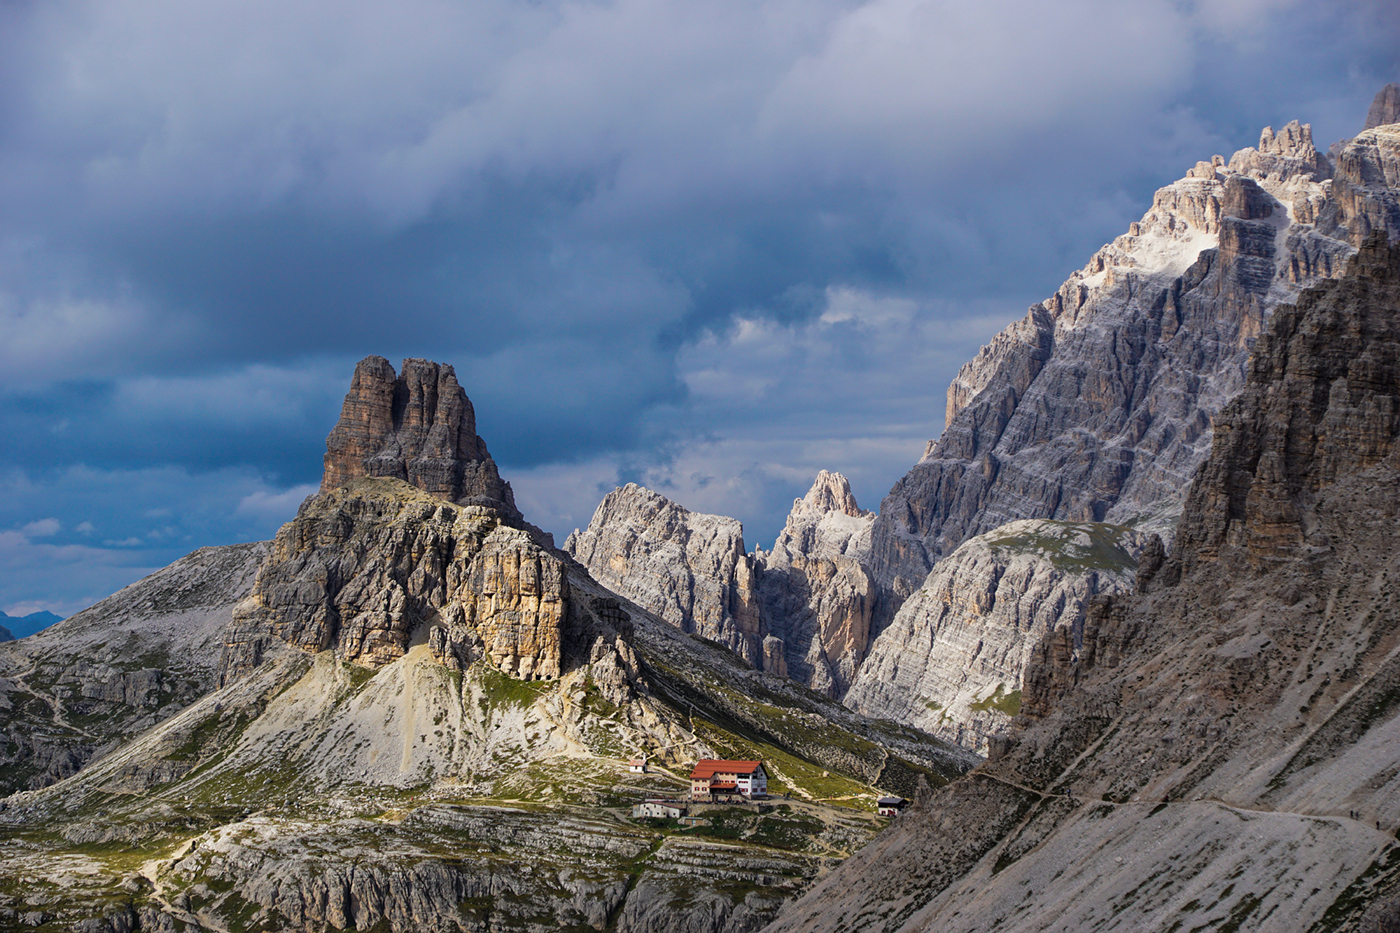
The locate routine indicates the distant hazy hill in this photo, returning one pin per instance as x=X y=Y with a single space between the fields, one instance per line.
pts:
x=12 y=627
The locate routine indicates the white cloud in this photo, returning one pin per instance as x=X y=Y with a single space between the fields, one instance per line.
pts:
x=163 y=107
x=271 y=505
x=860 y=389
x=44 y=528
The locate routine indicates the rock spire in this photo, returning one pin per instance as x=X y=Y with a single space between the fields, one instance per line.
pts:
x=417 y=426
x=1385 y=109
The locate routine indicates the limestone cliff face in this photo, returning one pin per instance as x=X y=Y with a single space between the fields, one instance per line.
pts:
x=1320 y=404
x=815 y=591
x=1098 y=405
x=953 y=660
x=365 y=568
x=417 y=426
x=691 y=569
x=414 y=538
x=802 y=610
x=1222 y=751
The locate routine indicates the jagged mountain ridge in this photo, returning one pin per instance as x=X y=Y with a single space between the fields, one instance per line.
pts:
x=1221 y=751
x=417 y=681
x=801 y=610
x=688 y=568
x=1095 y=407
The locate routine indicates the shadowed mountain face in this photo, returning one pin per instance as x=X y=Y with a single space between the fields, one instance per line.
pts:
x=1220 y=749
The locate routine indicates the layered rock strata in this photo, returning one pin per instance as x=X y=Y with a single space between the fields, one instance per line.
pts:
x=413 y=538
x=801 y=610
x=417 y=426
x=814 y=589
x=689 y=568
x=953 y=660
x=1222 y=752
x=366 y=568
x=1097 y=406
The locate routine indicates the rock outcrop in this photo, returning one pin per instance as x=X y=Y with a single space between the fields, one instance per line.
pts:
x=953 y=660
x=367 y=567
x=1320 y=404
x=413 y=536
x=417 y=426
x=1223 y=751
x=1385 y=109
x=689 y=568
x=801 y=610
x=1098 y=405
x=814 y=589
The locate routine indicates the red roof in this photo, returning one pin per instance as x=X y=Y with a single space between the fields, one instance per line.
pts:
x=723 y=785
x=709 y=767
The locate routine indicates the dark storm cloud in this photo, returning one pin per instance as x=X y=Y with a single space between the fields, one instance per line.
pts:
x=713 y=248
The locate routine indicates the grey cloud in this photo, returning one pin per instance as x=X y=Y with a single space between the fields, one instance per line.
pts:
x=208 y=212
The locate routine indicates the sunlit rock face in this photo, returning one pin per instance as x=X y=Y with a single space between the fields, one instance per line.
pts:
x=365 y=567
x=689 y=568
x=801 y=610
x=953 y=660
x=815 y=591
x=413 y=538
x=1098 y=405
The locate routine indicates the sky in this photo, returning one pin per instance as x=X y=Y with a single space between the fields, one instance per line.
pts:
x=710 y=248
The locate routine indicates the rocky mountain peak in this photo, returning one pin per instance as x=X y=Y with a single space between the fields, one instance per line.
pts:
x=1098 y=405
x=830 y=492
x=418 y=426
x=1385 y=109
x=689 y=568
x=1283 y=155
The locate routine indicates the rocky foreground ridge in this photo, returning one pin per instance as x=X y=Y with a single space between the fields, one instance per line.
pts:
x=1221 y=750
